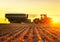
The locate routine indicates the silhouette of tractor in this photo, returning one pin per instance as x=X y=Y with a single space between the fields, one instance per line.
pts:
x=44 y=19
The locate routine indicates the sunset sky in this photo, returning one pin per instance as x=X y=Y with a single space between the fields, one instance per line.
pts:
x=49 y=7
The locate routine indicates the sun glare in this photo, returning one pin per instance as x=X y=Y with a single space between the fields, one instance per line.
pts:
x=55 y=20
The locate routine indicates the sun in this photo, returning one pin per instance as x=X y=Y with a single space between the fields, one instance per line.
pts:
x=55 y=20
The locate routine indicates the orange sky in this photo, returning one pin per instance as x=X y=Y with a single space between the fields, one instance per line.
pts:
x=49 y=7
